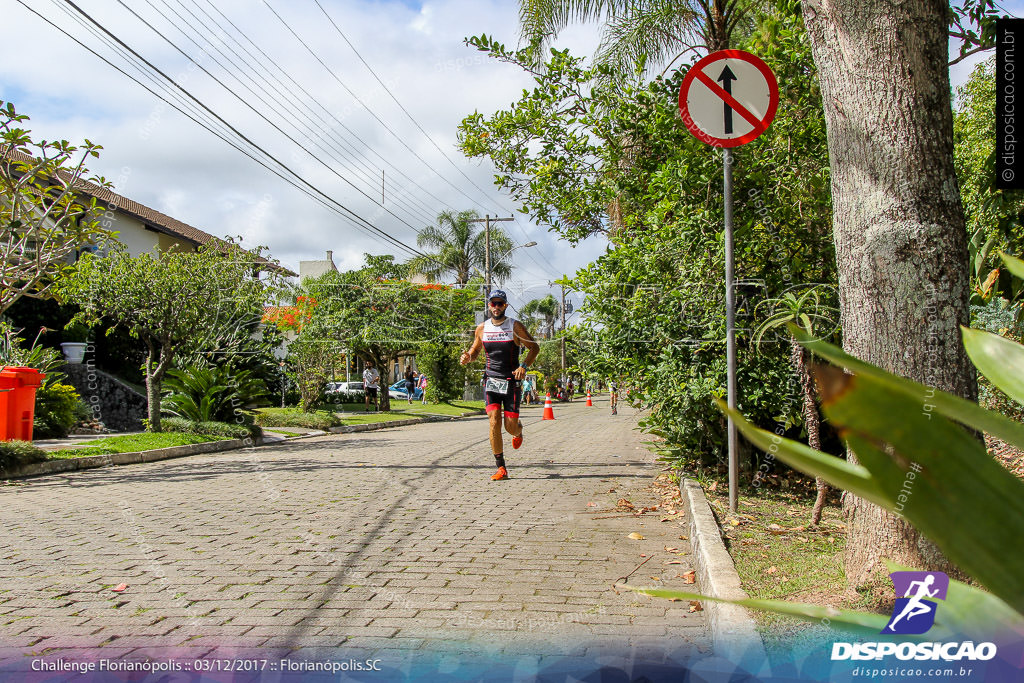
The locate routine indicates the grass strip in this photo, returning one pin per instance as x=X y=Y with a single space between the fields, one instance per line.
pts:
x=130 y=444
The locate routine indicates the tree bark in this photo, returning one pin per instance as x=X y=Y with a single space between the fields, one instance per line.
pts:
x=812 y=421
x=901 y=243
x=157 y=363
x=384 y=363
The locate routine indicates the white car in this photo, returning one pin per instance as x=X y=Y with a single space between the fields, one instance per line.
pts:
x=350 y=389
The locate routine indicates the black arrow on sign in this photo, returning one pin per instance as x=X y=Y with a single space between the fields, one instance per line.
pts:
x=727 y=78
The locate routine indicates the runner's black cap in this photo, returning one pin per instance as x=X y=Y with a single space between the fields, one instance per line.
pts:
x=498 y=294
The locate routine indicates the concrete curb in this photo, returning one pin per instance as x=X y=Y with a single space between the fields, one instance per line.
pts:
x=733 y=631
x=94 y=461
x=373 y=426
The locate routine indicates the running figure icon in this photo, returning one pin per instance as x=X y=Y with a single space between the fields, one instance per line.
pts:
x=916 y=606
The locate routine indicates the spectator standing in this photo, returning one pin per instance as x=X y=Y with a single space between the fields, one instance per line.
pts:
x=410 y=382
x=423 y=386
x=371 y=377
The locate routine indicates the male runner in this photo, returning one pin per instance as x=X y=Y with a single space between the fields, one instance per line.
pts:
x=500 y=338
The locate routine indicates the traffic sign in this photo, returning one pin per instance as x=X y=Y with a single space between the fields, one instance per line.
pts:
x=728 y=98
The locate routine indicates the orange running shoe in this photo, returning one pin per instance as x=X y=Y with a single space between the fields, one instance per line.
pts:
x=502 y=473
x=517 y=441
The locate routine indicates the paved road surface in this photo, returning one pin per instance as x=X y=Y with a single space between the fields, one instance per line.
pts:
x=388 y=542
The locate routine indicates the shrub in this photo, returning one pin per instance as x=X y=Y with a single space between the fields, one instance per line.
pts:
x=16 y=453
x=294 y=417
x=58 y=410
x=211 y=394
x=225 y=429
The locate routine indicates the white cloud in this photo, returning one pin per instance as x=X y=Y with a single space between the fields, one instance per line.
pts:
x=173 y=165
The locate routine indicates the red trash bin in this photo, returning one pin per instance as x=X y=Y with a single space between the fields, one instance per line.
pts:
x=18 y=402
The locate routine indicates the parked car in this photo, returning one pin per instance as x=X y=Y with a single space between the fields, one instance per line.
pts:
x=397 y=391
x=346 y=389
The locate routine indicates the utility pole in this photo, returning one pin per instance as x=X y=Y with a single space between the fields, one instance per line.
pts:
x=563 y=332
x=565 y=310
x=486 y=220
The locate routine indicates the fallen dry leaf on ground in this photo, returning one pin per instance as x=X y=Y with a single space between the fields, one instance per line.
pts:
x=771 y=570
x=674 y=562
x=689 y=577
x=120 y=587
x=695 y=606
x=670 y=549
x=636 y=537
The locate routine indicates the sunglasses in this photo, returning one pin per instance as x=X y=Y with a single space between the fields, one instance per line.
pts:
x=498 y=303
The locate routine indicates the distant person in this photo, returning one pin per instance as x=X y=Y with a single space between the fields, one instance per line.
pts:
x=528 y=390
x=569 y=390
x=371 y=377
x=614 y=389
x=423 y=388
x=410 y=382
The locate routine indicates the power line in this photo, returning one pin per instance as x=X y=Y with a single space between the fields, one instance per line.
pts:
x=355 y=218
x=254 y=110
x=400 y=106
x=357 y=99
x=259 y=72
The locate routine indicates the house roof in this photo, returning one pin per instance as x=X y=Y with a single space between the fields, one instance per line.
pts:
x=151 y=218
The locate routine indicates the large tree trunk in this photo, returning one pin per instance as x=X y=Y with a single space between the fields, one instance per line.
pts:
x=901 y=244
x=384 y=402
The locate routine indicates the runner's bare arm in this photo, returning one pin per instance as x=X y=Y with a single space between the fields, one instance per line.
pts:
x=525 y=340
x=474 y=349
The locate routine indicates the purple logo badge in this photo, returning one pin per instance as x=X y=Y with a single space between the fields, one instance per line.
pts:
x=916 y=592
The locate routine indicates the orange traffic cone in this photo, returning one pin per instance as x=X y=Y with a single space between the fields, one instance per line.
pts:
x=589 y=403
x=549 y=414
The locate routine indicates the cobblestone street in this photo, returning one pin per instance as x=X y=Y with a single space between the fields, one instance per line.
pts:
x=385 y=542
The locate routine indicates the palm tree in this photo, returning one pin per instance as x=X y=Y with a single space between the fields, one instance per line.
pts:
x=636 y=31
x=544 y=311
x=458 y=248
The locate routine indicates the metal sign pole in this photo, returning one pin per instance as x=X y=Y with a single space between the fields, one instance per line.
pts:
x=730 y=330
x=728 y=115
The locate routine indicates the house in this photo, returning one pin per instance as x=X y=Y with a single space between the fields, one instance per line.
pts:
x=317 y=268
x=141 y=228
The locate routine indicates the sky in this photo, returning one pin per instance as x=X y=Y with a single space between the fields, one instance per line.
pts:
x=158 y=157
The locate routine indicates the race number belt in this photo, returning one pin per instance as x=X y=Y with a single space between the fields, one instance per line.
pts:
x=496 y=386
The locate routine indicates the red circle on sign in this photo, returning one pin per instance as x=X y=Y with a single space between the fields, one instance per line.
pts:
x=692 y=74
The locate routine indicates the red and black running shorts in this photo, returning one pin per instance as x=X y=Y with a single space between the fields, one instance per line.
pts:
x=509 y=403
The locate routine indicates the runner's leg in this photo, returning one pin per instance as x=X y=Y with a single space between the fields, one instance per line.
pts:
x=511 y=406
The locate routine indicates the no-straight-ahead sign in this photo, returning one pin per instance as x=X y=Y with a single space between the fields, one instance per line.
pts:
x=728 y=98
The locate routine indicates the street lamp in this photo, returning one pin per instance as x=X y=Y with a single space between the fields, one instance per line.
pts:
x=487 y=275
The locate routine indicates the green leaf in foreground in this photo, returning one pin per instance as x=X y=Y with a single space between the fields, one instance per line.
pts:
x=966 y=610
x=917 y=463
x=999 y=359
x=953 y=407
x=1013 y=264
